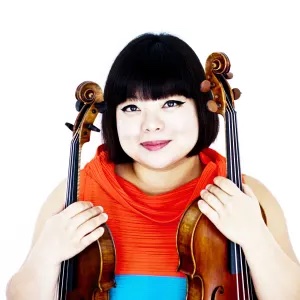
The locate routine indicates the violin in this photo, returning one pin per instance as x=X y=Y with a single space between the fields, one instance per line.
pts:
x=215 y=267
x=90 y=274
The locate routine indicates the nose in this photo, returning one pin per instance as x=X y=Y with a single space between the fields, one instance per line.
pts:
x=152 y=122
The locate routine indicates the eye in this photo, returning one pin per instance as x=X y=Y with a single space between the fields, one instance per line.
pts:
x=130 y=108
x=173 y=103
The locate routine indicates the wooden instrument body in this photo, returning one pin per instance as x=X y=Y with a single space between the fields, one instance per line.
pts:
x=94 y=270
x=204 y=259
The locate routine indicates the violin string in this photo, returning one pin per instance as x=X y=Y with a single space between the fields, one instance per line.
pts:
x=251 y=294
x=72 y=197
x=235 y=167
x=235 y=170
x=237 y=179
x=70 y=188
x=231 y=176
x=248 y=277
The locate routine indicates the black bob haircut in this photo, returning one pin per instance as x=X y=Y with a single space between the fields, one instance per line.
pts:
x=156 y=66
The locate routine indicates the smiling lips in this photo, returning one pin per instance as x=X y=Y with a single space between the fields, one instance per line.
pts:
x=155 y=145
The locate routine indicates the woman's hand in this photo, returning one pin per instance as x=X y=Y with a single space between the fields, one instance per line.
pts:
x=235 y=213
x=70 y=231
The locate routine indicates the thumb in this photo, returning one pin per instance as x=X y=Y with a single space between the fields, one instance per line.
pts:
x=248 y=191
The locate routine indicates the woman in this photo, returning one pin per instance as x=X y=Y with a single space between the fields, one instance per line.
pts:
x=154 y=161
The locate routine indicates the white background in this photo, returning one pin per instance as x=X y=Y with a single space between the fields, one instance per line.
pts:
x=49 y=47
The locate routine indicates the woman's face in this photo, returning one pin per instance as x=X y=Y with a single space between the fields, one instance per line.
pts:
x=159 y=133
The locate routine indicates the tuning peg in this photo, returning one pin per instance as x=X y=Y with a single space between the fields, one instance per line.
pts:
x=93 y=128
x=79 y=104
x=229 y=75
x=101 y=106
x=236 y=93
x=205 y=86
x=212 y=106
x=70 y=126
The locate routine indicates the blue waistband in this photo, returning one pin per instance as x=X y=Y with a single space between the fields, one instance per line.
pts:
x=144 y=287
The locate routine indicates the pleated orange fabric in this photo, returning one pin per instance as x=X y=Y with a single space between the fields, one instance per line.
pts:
x=143 y=226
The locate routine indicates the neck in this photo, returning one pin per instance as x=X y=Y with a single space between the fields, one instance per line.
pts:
x=155 y=182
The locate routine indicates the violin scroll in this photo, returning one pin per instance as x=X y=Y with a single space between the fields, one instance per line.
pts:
x=88 y=92
x=217 y=69
x=89 y=103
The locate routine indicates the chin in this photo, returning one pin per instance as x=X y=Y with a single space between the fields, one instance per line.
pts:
x=159 y=164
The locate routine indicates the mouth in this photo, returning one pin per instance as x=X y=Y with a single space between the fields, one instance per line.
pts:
x=155 y=145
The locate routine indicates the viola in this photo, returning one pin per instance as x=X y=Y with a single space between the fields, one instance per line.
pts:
x=90 y=274
x=215 y=267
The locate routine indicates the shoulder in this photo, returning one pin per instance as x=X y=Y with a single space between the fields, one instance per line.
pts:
x=275 y=218
x=52 y=205
x=264 y=196
x=266 y=199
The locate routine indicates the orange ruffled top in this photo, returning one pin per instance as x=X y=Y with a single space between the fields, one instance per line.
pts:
x=143 y=226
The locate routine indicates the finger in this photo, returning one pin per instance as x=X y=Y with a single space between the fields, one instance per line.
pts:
x=92 y=236
x=76 y=208
x=91 y=224
x=226 y=185
x=212 y=201
x=210 y=213
x=85 y=215
x=217 y=192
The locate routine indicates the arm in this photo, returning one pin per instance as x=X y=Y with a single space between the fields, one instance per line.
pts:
x=275 y=268
x=36 y=279
x=59 y=235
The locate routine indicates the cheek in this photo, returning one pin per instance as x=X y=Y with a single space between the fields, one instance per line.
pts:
x=185 y=124
x=127 y=130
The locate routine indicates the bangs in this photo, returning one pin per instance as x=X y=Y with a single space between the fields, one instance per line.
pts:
x=155 y=89
x=151 y=73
